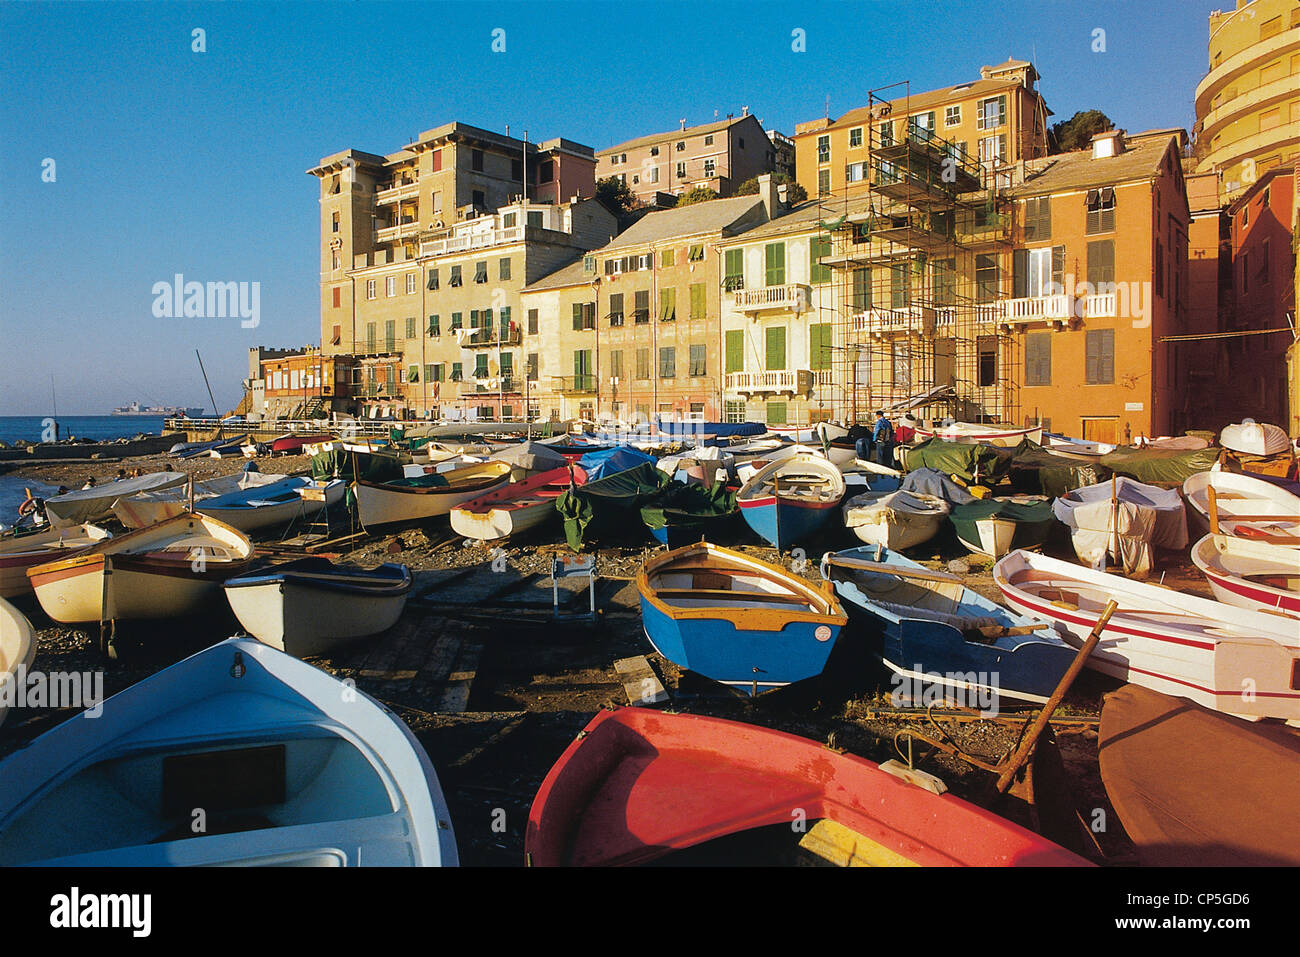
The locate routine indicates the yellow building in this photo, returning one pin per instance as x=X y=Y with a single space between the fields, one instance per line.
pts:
x=1248 y=104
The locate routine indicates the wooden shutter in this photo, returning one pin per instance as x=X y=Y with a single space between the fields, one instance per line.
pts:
x=819 y=336
x=775 y=261
x=1058 y=268
x=776 y=348
x=1038 y=358
x=697 y=300
x=735 y=350
x=1019 y=273
x=1101 y=262
x=577 y=315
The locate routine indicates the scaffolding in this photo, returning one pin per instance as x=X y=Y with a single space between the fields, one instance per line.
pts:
x=917 y=266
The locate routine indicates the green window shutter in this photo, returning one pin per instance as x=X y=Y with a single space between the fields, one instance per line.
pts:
x=455 y=320
x=699 y=360
x=1058 y=268
x=428 y=373
x=1101 y=262
x=473 y=318
x=505 y=318
x=507 y=359
x=668 y=363
x=735 y=350
x=457 y=371
x=505 y=269
x=776 y=348
x=480 y=365
x=667 y=304
x=817 y=248
x=433 y=325
x=410 y=327
x=776 y=413
x=819 y=337
x=577 y=315
x=697 y=300
x=861 y=289
x=734 y=270
x=413 y=374
x=1019 y=273
x=775 y=262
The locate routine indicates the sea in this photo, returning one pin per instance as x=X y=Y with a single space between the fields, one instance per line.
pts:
x=32 y=428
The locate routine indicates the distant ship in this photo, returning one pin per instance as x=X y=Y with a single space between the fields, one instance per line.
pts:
x=156 y=411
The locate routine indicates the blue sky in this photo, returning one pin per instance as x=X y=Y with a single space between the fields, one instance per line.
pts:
x=169 y=161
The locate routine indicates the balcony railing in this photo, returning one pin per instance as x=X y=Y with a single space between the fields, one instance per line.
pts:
x=576 y=384
x=792 y=381
x=478 y=385
x=467 y=241
x=1100 y=305
x=491 y=336
x=1037 y=309
x=397 y=191
x=791 y=295
x=406 y=228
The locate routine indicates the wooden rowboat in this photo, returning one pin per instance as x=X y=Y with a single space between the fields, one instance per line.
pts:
x=21 y=552
x=1247 y=507
x=166 y=570
x=735 y=619
x=1250 y=574
x=1220 y=656
x=791 y=499
x=994 y=526
x=96 y=503
x=515 y=508
x=428 y=496
x=639 y=785
x=1200 y=789
x=277 y=503
x=17 y=651
x=971 y=433
x=288 y=765
x=898 y=519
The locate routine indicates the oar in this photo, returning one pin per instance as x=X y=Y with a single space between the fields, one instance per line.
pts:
x=920 y=573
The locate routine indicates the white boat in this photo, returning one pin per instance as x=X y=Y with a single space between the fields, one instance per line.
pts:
x=428 y=496
x=1237 y=494
x=790 y=499
x=238 y=755
x=747 y=468
x=149 y=508
x=1124 y=520
x=1255 y=438
x=897 y=520
x=314 y=607
x=1249 y=574
x=21 y=552
x=811 y=434
x=529 y=458
x=1220 y=656
x=166 y=570
x=96 y=503
x=515 y=508
x=970 y=433
x=17 y=651
x=276 y=503
x=1068 y=446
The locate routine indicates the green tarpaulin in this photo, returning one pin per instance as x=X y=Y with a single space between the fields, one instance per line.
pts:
x=959 y=458
x=1167 y=467
x=609 y=506
x=1033 y=519
x=690 y=511
x=1040 y=471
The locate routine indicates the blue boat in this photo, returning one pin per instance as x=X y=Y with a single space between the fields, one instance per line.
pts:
x=931 y=630
x=238 y=755
x=789 y=500
x=680 y=514
x=740 y=621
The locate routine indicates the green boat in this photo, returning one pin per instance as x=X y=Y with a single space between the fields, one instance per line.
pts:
x=609 y=507
x=683 y=514
x=995 y=526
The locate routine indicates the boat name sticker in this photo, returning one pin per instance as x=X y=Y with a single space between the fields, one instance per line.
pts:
x=823 y=633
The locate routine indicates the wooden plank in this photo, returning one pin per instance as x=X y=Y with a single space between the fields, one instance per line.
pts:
x=455 y=696
x=641 y=684
x=833 y=842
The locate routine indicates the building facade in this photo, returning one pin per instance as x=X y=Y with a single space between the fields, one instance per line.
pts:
x=1248 y=104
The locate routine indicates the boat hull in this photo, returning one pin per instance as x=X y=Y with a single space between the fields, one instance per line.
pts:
x=784 y=524
x=379 y=504
x=17 y=649
x=302 y=620
x=19 y=554
x=1273 y=584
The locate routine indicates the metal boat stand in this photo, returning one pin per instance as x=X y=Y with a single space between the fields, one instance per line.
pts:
x=1032 y=770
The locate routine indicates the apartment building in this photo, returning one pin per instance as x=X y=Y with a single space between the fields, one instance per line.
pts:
x=632 y=331
x=1248 y=104
x=719 y=155
x=292 y=383
x=998 y=120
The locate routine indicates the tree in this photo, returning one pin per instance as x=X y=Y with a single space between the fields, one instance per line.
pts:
x=696 y=194
x=613 y=192
x=795 y=194
x=1077 y=132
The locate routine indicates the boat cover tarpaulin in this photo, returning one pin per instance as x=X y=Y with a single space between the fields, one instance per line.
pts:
x=933 y=482
x=958 y=458
x=1160 y=466
x=91 y=504
x=370 y=466
x=1032 y=519
x=606 y=462
x=1142 y=516
x=1044 y=472
x=608 y=506
x=532 y=457
x=682 y=505
x=720 y=429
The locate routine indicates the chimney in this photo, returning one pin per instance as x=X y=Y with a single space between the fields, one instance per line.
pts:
x=767 y=193
x=683 y=122
x=1107 y=143
x=744 y=111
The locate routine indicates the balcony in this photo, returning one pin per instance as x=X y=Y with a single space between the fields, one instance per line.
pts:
x=406 y=229
x=489 y=336
x=789 y=382
x=791 y=295
x=575 y=384
x=466 y=241
x=396 y=192
x=1100 y=306
x=1056 y=308
x=906 y=320
x=491 y=385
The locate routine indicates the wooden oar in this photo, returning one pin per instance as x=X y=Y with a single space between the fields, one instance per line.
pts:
x=924 y=574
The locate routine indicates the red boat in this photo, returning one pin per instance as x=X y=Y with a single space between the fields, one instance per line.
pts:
x=292 y=444
x=637 y=785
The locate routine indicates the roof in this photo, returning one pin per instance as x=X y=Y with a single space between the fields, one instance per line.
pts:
x=1078 y=170
x=571 y=275
x=804 y=218
x=922 y=101
x=677 y=134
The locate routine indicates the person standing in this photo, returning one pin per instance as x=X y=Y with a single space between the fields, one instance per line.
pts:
x=882 y=436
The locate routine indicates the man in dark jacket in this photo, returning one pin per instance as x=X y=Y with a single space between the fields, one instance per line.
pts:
x=883 y=438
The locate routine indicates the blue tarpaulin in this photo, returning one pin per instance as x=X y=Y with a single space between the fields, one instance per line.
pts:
x=610 y=461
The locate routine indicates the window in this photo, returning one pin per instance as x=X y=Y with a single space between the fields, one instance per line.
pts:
x=921 y=127
x=855 y=137
x=818 y=247
x=413 y=374
x=481 y=366
x=508 y=220
x=1101 y=265
x=455 y=320
x=503 y=270
x=900 y=285
x=410 y=327
x=733 y=270
x=952 y=115
x=668 y=363
x=641 y=305
x=696 y=253
x=855 y=172
x=1038 y=358
x=775 y=342
x=1036 y=273
x=516 y=170
x=823 y=182
x=370 y=289
x=698 y=360
x=371 y=345
x=991 y=113
x=616 y=309
x=437 y=160
x=668 y=258
x=698 y=302
x=652 y=174
x=944 y=273
x=455 y=276
x=478 y=199
x=708 y=140
x=733 y=411
x=584 y=315
x=667 y=304
x=645 y=261
x=480 y=272
x=681 y=170
x=337 y=335
x=390 y=335
x=710 y=167
x=1100 y=356
x=1101 y=210
x=616 y=364
x=534 y=219
x=435 y=201
x=546 y=172
x=613 y=267
x=457 y=372
x=987 y=361
x=410 y=283
x=335 y=222
x=654 y=151
x=993 y=149
x=681 y=146
x=390 y=285
x=432 y=373
x=338 y=296
x=887 y=134
x=433 y=280
x=735 y=345
x=334 y=260
x=643 y=363
x=1038 y=218
x=507 y=365
x=476 y=160
x=824 y=149
x=902 y=364
x=819 y=346
x=776 y=413
x=986 y=278
x=532 y=322
x=433 y=325
x=861 y=295
x=774 y=259
x=532 y=367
